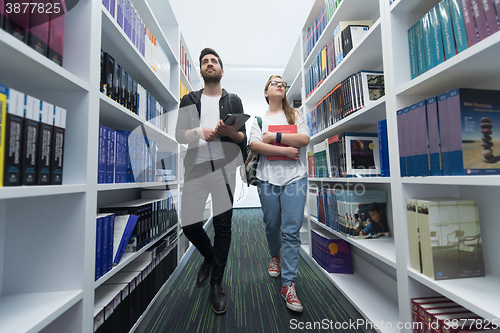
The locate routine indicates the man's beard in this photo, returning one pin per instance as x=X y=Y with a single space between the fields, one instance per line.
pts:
x=212 y=77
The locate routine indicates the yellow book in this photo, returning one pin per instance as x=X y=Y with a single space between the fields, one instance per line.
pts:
x=3 y=120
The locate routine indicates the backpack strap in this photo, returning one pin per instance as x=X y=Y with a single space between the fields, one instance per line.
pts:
x=259 y=121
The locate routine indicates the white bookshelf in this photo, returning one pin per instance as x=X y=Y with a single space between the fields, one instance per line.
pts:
x=385 y=48
x=47 y=275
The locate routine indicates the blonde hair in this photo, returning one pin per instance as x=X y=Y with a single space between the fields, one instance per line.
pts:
x=290 y=113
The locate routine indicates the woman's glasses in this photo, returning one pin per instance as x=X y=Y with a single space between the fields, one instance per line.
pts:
x=278 y=84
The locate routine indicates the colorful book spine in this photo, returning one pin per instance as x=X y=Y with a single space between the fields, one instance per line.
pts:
x=101 y=159
x=412 y=45
x=414 y=141
x=407 y=136
x=491 y=17
x=419 y=39
x=433 y=132
x=457 y=20
x=3 y=122
x=422 y=138
x=479 y=18
x=58 y=140
x=44 y=143
x=384 y=148
x=30 y=140
x=429 y=50
x=470 y=25
x=443 y=11
x=444 y=134
x=436 y=37
x=401 y=144
x=13 y=138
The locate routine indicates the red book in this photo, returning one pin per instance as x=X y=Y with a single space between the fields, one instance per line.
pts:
x=286 y=129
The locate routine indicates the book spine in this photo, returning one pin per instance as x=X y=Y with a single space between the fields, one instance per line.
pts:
x=55 y=50
x=407 y=137
x=38 y=34
x=17 y=24
x=30 y=140
x=110 y=240
x=110 y=156
x=423 y=146
x=401 y=144
x=13 y=137
x=105 y=244
x=44 y=143
x=433 y=130
x=413 y=52
x=3 y=132
x=58 y=140
x=429 y=50
x=101 y=160
x=436 y=36
x=479 y=18
x=444 y=134
x=443 y=11
x=414 y=139
x=419 y=40
x=98 y=248
x=470 y=25
x=497 y=7
x=455 y=115
x=491 y=17
x=457 y=19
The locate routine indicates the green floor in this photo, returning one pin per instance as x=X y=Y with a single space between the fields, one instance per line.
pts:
x=255 y=303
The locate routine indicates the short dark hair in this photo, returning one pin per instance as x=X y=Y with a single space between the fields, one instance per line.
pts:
x=208 y=50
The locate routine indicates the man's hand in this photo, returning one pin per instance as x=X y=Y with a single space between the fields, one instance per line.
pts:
x=207 y=134
x=268 y=137
x=226 y=130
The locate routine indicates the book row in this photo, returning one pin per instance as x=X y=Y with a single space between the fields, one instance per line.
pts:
x=349 y=155
x=355 y=92
x=32 y=136
x=185 y=63
x=128 y=18
x=445 y=238
x=125 y=157
x=42 y=29
x=154 y=217
x=441 y=315
x=450 y=134
x=357 y=213
x=332 y=254
x=121 y=300
x=346 y=36
x=121 y=87
x=315 y=31
x=447 y=29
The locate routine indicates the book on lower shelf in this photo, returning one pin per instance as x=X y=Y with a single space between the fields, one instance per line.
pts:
x=284 y=129
x=14 y=123
x=450 y=238
x=334 y=255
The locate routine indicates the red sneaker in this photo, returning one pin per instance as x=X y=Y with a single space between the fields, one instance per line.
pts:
x=274 y=267
x=290 y=296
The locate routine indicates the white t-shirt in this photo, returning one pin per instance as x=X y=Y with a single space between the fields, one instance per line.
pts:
x=280 y=172
x=210 y=116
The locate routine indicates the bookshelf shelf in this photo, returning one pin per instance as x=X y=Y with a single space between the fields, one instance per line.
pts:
x=479 y=295
x=115 y=42
x=44 y=74
x=31 y=312
x=385 y=48
x=39 y=191
x=382 y=249
x=368 y=55
x=473 y=67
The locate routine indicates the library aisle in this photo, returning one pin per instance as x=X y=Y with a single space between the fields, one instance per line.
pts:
x=255 y=304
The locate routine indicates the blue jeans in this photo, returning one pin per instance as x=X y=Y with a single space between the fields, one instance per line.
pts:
x=283 y=208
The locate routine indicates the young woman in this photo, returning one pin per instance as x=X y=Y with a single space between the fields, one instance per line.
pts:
x=282 y=184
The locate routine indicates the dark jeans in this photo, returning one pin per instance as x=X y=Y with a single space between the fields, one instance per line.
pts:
x=194 y=196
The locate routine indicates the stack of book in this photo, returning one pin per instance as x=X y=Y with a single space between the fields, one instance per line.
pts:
x=357 y=91
x=334 y=255
x=450 y=134
x=32 y=138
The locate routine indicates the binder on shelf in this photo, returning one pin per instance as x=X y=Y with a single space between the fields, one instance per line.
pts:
x=123 y=227
x=58 y=144
x=44 y=144
x=30 y=140
x=14 y=124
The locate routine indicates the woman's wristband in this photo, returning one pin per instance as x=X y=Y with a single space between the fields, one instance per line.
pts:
x=278 y=137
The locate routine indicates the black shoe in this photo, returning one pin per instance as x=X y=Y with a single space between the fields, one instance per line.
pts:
x=218 y=298
x=203 y=273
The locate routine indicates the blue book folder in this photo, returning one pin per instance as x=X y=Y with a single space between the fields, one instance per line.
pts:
x=123 y=228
